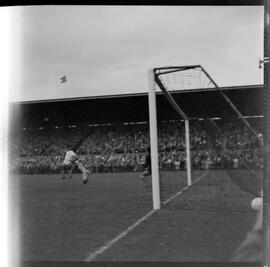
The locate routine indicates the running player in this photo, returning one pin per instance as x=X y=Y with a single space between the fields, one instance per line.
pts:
x=70 y=161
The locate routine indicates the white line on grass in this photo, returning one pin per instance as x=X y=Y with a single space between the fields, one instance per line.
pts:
x=93 y=254
x=110 y=243
x=184 y=189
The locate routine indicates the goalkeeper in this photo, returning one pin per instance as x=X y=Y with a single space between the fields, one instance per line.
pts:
x=147 y=169
x=147 y=165
x=70 y=161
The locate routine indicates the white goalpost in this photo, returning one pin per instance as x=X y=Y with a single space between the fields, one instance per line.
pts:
x=153 y=141
x=169 y=80
x=154 y=137
x=188 y=160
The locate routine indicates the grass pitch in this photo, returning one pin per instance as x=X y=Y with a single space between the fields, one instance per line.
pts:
x=66 y=220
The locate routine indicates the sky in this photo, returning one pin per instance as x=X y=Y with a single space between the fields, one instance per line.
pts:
x=107 y=50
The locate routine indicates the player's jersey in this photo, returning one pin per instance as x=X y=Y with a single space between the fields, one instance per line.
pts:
x=70 y=157
x=147 y=163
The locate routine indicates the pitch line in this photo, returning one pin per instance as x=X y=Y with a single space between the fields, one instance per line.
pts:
x=92 y=255
x=110 y=243
x=183 y=190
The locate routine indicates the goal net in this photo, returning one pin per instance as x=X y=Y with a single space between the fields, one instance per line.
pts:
x=212 y=161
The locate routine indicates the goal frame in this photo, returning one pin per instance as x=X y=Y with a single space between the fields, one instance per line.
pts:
x=153 y=80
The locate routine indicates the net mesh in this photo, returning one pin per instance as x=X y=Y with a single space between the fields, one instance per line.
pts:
x=226 y=152
x=184 y=78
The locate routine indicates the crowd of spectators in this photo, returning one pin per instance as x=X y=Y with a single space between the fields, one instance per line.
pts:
x=238 y=146
x=115 y=148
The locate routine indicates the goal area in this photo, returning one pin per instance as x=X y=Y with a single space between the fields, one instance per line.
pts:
x=212 y=161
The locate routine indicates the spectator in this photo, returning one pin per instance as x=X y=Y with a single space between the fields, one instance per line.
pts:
x=121 y=147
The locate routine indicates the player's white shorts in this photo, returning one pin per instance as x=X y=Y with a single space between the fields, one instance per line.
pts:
x=67 y=163
x=85 y=172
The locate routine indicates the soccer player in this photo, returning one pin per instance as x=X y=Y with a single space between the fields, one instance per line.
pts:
x=251 y=249
x=147 y=169
x=70 y=161
x=147 y=165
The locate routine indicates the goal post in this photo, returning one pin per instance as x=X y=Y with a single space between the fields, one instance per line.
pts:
x=195 y=160
x=153 y=80
x=153 y=141
x=188 y=159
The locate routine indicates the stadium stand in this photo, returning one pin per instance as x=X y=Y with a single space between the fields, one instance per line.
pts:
x=118 y=142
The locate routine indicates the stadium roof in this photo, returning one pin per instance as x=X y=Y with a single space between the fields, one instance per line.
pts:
x=134 y=107
x=132 y=95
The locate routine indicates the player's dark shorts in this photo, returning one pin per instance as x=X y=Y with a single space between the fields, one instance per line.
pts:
x=146 y=172
x=148 y=168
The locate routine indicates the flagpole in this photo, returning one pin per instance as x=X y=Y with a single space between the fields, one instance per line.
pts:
x=66 y=86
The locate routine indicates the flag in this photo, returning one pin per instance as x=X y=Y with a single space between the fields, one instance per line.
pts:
x=260 y=63
x=63 y=79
